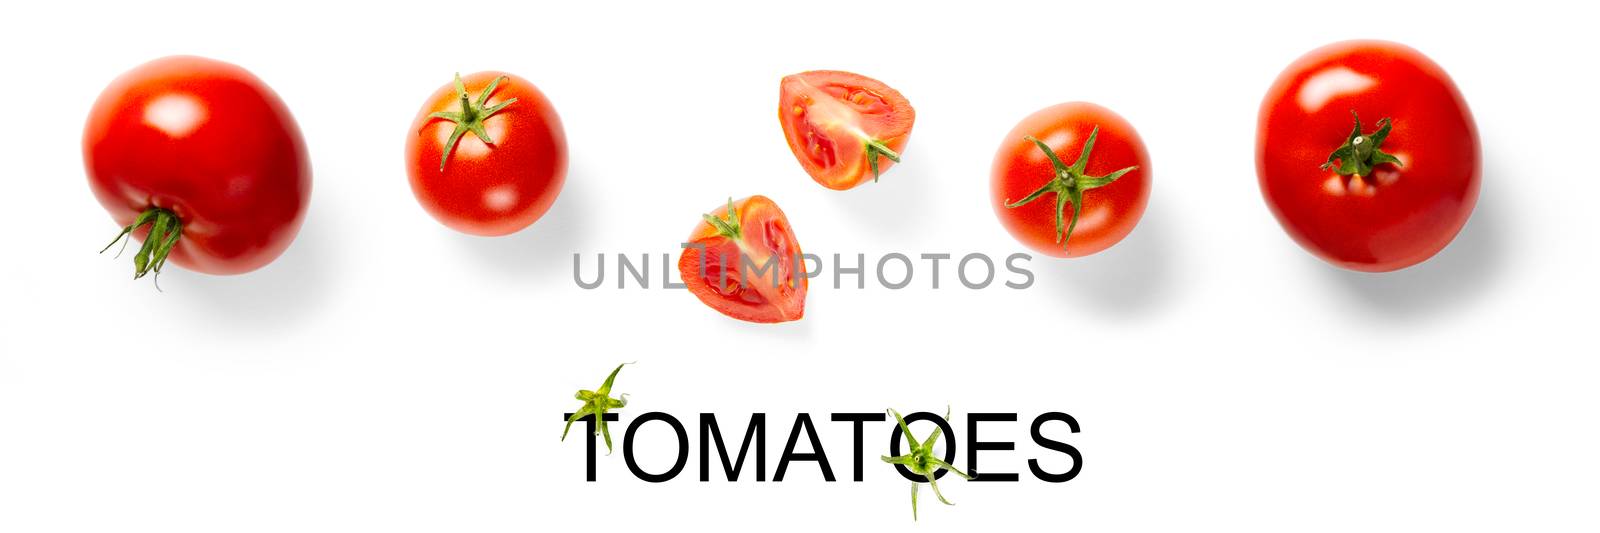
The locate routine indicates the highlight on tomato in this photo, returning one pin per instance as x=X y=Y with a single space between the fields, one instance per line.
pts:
x=843 y=128
x=1077 y=209
x=743 y=260
x=201 y=161
x=1367 y=155
x=486 y=154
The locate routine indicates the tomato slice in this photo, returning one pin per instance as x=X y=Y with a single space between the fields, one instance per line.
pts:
x=839 y=124
x=746 y=264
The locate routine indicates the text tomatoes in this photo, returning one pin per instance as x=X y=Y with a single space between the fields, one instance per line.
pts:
x=486 y=154
x=200 y=160
x=1368 y=155
x=844 y=128
x=1076 y=209
x=743 y=261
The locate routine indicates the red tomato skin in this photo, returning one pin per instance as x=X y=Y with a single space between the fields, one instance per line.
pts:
x=1109 y=213
x=484 y=190
x=1400 y=215
x=210 y=142
x=766 y=232
x=881 y=112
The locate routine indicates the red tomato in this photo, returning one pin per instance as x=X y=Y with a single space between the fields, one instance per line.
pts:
x=486 y=154
x=1376 y=193
x=844 y=128
x=1077 y=209
x=753 y=230
x=200 y=160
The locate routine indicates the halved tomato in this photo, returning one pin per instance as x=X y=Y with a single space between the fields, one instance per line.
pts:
x=843 y=127
x=744 y=261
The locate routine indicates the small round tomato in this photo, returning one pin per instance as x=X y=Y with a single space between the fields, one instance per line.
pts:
x=1072 y=210
x=744 y=261
x=1367 y=155
x=487 y=155
x=201 y=161
x=843 y=128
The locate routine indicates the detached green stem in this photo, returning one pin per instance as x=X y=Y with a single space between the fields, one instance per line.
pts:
x=597 y=402
x=922 y=461
x=165 y=231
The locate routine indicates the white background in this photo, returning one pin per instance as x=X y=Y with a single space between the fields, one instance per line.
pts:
x=387 y=374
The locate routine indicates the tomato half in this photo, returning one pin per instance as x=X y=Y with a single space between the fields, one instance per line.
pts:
x=844 y=128
x=1367 y=155
x=200 y=160
x=1070 y=180
x=746 y=263
x=486 y=155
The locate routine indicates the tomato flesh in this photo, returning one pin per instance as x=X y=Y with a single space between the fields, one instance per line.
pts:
x=829 y=116
x=1397 y=215
x=715 y=268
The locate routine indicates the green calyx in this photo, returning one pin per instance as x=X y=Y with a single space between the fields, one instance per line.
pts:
x=1069 y=184
x=165 y=231
x=597 y=402
x=875 y=150
x=1360 y=153
x=922 y=461
x=470 y=117
x=728 y=227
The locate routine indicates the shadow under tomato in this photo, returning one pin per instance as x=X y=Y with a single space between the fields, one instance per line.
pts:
x=1464 y=270
x=1134 y=276
x=896 y=206
x=540 y=253
x=293 y=288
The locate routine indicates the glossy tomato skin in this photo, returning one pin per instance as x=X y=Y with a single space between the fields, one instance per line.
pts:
x=1396 y=216
x=482 y=189
x=710 y=267
x=827 y=117
x=1108 y=213
x=209 y=142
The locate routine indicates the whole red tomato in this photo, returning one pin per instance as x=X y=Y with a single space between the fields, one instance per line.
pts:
x=486 y=154
x=745 y=262
x=200 y=160
x=1077 y=209
x=1368 y=155
x=843 y=128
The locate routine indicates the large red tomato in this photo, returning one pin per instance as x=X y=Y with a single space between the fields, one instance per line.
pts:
x=1368 y=155
x=746 y=263
x=486 y=154
x=200 y=160
x=843 y=128
x=1072 y=210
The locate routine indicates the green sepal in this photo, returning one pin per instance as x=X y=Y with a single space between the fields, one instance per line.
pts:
x=166 y=229
x=596 y=403
x=471 y=117
x=1068 y=184
x=1361 y=153
x=726 y=227
x=876 y=149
